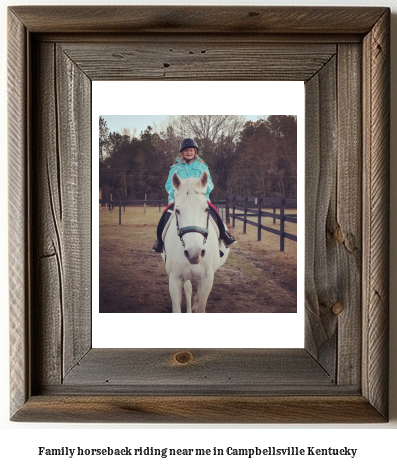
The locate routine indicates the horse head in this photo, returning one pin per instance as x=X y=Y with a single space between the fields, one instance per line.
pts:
x=191 y=212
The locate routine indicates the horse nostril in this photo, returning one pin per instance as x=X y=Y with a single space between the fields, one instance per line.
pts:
x=186 y=254
x=202 y=253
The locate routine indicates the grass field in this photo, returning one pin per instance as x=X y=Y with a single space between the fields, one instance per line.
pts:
x=259 y=277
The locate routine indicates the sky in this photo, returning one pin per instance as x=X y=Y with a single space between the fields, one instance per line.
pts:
x=116 y=123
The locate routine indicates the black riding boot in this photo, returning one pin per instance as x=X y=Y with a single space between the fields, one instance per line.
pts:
x=159 y=244
x=228 y=239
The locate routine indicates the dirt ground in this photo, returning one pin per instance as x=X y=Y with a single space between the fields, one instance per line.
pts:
x=257 y=277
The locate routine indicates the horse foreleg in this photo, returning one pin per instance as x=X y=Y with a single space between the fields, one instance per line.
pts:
x=194 y=308
x=175 y=285
x=188 y=293
x=203 y=291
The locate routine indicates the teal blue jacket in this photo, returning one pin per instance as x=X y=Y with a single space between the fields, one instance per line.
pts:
x=184 y=170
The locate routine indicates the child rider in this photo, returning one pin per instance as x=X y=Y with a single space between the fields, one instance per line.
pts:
x=190 y=165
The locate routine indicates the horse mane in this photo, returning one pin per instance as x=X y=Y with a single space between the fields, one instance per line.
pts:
x=189 y=189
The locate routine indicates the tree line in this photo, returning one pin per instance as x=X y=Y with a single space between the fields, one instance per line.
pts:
x=245 y=158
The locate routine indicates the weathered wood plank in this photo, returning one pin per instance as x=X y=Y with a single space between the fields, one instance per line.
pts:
x=347 y=226
x=199 y=409
x=231 y=368
x=320 y=262
x=199 y=19
x=63 y=174
x=376 y=93
x=199 y=61
x=196 y=40
x=73 y=107
x=47 y=327
x=19 y=227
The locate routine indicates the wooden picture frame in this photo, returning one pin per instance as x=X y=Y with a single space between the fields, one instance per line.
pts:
x=342 y=54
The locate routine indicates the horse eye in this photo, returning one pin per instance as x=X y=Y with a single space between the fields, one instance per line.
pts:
x=177 y=211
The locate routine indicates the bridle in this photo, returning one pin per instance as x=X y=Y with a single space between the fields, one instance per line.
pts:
x=184 y=230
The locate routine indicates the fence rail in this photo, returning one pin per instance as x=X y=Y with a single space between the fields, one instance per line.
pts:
x=251 y=208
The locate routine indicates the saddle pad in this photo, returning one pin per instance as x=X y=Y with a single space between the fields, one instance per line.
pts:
x=167 y=225
x=214 y=223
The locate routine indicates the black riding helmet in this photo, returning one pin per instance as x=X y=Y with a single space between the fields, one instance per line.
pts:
x=186 y=143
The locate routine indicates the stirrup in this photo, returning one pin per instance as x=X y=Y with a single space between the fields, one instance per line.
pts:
x=229 y=239
x=158 y=246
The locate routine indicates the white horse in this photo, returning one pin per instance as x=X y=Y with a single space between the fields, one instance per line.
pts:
x=192 y=247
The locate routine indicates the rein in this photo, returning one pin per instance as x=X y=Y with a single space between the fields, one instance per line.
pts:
x=184 y=230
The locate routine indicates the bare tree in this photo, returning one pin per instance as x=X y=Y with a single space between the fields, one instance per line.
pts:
x=210 y=128
x=103 y=138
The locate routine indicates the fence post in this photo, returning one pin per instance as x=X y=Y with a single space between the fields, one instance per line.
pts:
x=227 y=208
x=144 y=206
x=119 y=213
x=245 y=215
x=282 y=233
x=274 y=209
x=259 y=218
x=234 y=211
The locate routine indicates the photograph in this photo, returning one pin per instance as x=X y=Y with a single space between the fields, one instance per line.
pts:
x=226 y=246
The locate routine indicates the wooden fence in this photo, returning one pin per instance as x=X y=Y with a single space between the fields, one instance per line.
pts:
x=240 y=208
x=123 y=203
x=254 y=208
x=220 y=205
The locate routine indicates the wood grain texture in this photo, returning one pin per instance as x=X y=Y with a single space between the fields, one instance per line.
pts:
x=47 y=327
x=157 y=39
x=19 y=279
x=321 y=277
x=73 y=90
x=323 y=383
x=199 y=19
x=199 y=409
x=376 y=92
x=346 y=227
x=204 y=60
x=63 y=223
x=229 y=370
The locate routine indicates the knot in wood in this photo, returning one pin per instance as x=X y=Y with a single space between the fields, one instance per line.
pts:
x=183 y=358
x=338 y=235
x=337 y=308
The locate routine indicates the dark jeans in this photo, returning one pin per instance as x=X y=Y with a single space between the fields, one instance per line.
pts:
x=166 y=215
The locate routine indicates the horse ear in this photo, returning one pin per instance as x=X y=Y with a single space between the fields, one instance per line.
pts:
x=204 y=179
x=176 y=181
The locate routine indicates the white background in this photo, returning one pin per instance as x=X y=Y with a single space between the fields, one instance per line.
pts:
x=19 y=442
x=250 y=330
